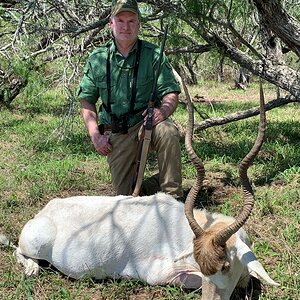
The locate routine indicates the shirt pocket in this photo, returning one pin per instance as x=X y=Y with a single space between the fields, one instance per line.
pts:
x=144 y=90
x=101 y=84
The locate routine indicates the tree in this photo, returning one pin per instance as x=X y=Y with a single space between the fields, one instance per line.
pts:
x=35 y=33
x=261 y=37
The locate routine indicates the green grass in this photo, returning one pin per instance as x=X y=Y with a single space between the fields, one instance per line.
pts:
x=37 y=164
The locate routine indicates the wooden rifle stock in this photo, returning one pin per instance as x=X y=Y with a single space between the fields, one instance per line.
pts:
x=147 y=130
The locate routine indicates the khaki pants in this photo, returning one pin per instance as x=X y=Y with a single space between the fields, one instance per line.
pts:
x=165 y=142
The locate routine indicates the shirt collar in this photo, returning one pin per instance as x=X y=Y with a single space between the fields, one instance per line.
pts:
x=114 y=49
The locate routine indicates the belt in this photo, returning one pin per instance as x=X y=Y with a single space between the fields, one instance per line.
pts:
x=107 y=127
x=104 y=128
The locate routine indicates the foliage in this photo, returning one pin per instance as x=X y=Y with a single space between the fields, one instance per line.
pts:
x=44 y=31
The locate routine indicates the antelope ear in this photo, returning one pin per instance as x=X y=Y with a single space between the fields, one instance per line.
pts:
x=255 y=268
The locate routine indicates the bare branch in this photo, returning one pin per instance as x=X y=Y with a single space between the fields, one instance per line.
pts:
x=190 y=49
x=217 y=121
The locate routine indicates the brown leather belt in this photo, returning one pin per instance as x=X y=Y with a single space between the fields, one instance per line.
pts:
x=104 y=128
x=107 y=127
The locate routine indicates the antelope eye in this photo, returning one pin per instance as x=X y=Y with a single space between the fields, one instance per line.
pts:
x=225 y=267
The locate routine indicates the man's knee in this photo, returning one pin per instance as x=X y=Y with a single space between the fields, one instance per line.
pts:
x=166 y=130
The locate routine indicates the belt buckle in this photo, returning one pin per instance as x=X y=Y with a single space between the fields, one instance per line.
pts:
x=107 y=130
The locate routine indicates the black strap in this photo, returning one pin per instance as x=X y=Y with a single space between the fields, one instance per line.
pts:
x=107 y=107
x=135 y=75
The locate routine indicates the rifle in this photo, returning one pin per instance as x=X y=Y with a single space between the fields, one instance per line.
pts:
x=147 y=130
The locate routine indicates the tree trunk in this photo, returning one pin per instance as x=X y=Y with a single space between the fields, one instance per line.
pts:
x=282 y=25
x=192 y=78
x=220 y=74
x=10 y=87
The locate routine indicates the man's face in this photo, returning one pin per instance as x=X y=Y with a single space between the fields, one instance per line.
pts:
x=125 y=26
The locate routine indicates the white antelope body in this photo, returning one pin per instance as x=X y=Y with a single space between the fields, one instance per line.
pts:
x=147 y=238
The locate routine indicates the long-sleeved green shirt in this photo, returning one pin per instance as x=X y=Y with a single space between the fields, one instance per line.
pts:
x=93 y=85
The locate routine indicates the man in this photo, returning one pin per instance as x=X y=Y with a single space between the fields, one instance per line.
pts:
x=121 y=74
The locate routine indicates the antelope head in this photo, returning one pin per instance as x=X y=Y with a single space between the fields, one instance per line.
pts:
x=211 y=244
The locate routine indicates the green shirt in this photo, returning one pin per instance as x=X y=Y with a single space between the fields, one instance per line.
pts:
x=93 y=85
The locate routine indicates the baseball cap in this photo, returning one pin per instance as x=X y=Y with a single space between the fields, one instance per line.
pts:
x=118 y=6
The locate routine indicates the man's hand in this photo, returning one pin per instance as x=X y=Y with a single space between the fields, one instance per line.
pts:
x=157 y=117
x=101 y=144
x=89 y=114
x=168 y=106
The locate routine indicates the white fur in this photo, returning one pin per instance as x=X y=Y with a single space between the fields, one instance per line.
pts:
x=147 y=238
